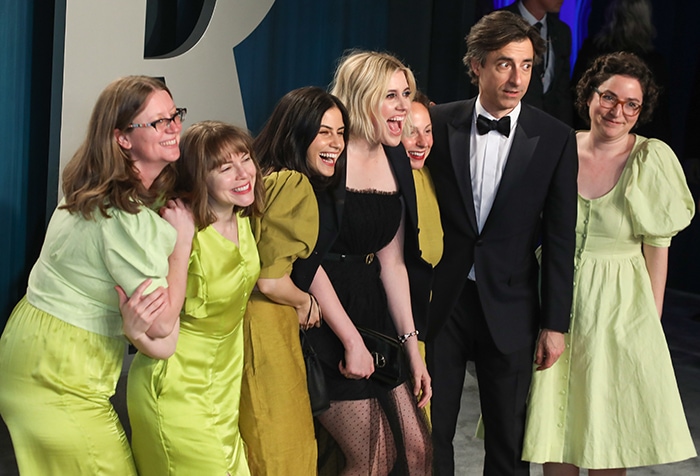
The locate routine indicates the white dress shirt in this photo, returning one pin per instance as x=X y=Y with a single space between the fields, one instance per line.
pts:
x=488 y=154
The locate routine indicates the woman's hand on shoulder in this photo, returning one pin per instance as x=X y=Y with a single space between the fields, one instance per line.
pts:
x=358 y=363
x=180 y=217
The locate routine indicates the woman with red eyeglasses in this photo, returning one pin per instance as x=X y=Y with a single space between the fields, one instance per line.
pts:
x=62 y=349
x=611 y=401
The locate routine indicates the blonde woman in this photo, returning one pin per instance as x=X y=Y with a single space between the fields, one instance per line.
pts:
x=363 y=280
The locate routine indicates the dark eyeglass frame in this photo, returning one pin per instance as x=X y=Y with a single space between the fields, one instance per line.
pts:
x=614 y=101
x=180 y=112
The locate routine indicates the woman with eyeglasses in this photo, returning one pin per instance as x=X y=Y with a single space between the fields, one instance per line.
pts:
x=62 y=349
x=611 y=401
x=184 y=411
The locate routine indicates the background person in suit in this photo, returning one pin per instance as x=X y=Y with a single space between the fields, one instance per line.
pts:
x=550 y=85
x=500 y=194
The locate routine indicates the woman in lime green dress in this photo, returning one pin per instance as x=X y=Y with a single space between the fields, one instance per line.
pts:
x=611 y=401
x=301 y=151
x=61 y=352
x=184 y=410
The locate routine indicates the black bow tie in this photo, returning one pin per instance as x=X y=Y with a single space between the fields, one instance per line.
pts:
x=484 y=125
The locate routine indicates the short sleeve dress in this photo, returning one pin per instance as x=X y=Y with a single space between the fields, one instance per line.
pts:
x=276 y=421
x=184 y=411
x=62 y=349
x=611 y=400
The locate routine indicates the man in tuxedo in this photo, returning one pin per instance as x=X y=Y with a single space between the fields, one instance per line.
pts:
x=550 y=86
x=505 y=177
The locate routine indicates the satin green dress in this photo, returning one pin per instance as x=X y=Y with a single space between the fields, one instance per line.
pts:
x=611 y=400
x=276 y=420
x=184 y=411
x=62 y=349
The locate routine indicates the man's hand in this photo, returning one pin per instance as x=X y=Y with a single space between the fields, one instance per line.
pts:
x=550 y=345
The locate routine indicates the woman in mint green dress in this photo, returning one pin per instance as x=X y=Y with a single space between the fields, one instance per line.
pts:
x=611 y=401
x=62 y=349
x=184 y=410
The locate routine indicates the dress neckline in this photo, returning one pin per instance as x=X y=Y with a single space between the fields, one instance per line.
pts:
x=372 y=191
x=628 y=161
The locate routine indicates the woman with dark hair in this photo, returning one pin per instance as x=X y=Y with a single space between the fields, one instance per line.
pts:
x=302 y=155
x=611 y=401
x=62 y=349
x=184 y=410
x=364 y=282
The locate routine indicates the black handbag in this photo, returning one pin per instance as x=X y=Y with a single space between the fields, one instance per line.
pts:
x=388 y=355
x=315 y=380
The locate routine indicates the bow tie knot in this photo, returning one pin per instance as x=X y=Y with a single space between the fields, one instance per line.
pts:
x=484 y=125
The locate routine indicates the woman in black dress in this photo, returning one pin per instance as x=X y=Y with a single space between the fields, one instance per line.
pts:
x=363 y=281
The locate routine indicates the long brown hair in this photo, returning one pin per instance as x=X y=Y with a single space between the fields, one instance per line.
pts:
x=205 y=146
x=101 y=174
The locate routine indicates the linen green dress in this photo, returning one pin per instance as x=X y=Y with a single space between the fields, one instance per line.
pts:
x=184 y=411
x=276 y=421
x=611 y=400
x=62 y=349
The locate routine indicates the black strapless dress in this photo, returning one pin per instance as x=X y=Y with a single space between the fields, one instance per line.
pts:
x=370 y=221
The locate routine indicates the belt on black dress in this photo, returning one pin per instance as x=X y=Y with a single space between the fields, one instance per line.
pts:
x=367 y=259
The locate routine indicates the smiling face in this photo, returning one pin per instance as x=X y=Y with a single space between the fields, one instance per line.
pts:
x=232 y=183
x=612 y=122
x=393 y=109
x=504 y=77
x=322 y=154
x=419 y=142
x=149 y=149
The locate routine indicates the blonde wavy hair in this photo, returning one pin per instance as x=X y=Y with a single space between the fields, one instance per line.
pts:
x=360 y=82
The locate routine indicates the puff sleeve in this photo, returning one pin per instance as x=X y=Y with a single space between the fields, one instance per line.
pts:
x=137 y=247
x=288 y=228
x=657 y=195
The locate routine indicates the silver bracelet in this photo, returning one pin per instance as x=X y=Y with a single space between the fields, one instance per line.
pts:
x=405 y=337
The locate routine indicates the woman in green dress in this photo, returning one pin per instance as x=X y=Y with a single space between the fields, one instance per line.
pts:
x=611 y=401
x=62 y=349
x=184 y=410
x=302 y=154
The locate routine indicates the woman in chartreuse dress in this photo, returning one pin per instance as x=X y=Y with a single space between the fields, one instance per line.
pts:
x=184 y=411
x=611 y=401
x=302 y=154
x=62 y=350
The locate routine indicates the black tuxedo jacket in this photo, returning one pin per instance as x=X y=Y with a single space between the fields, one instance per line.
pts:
x=420 y=272
x=535 y=203
x=330 y=213
x=559 y=100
